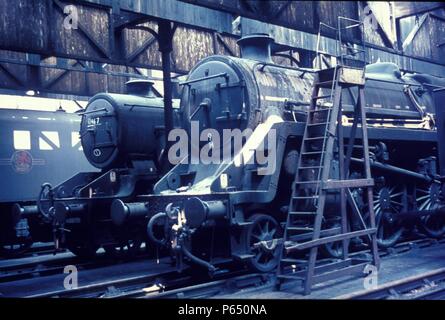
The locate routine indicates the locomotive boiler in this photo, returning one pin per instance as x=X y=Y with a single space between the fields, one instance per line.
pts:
x=123 y=136
x=35 y=147
x=221 y=202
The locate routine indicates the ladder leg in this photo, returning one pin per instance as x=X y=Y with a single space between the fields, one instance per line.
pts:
x=375 y=252
x=310 y=270
x=342 y=169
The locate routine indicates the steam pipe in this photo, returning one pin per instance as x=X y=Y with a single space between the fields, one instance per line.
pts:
x=197 y=260
x=419 y=213
x=150 y=225
x=394 y=169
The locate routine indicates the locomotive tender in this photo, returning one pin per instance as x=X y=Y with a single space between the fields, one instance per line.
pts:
x=122 y=136
x=35 y=147
x=207 y=212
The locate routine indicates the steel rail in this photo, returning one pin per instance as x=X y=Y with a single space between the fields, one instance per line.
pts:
x=423 y=286
x=107 y=288
x=41 y=267
x=157 y=284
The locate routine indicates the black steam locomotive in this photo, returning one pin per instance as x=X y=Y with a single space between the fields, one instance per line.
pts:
x=123 y=136
x=205 y=211
x=35 y=147
x=216 y=204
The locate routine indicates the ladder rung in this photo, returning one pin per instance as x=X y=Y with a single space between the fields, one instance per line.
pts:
x=317 y=124
x=321 y=97
x=351 y=183
x=314 y=138
x=288 y=276
x=352 y=26
x=312 y=152
x=303 y=213
x=324 y=82
x=292 y=260
x=308 y=182
x=300 y=229
x=320 y=110
x=310 y=167
x=305 y=197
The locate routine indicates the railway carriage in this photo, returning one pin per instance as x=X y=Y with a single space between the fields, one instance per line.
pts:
x=36 y=147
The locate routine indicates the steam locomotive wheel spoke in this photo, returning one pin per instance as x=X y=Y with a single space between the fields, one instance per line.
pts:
x=432 y=225
x=334 y=249
x=387 y=204
x=261 y=239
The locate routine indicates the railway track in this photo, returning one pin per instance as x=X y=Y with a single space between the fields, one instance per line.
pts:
x=213 y=288
x=54 y=264
x=170 y=284
x=35 y=250
x=165 y=284
x=425 y=286
x=33 y=267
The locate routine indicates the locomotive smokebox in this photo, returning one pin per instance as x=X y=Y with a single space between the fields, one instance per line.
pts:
x=256 y=46
x=118 y=129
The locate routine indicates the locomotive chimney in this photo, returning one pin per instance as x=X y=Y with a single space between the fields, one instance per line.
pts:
x=141 y=87
x=256 y=46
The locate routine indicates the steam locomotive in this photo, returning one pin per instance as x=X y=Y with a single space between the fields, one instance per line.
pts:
x=122 y=135
x=34 y=148
x=208 y=211
x=220 y=202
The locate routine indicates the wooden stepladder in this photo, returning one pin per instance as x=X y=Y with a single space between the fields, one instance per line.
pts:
x=315 y=180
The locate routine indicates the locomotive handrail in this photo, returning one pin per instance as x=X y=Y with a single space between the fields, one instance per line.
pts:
x=219 y=75
x=266 y=64
x=394 y=82
x=328 y=26
x=92 y=111
x=415 y=102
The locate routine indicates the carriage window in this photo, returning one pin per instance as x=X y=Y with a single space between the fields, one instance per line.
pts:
x=22 y=140
x=49 y=140
x=75 y=139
